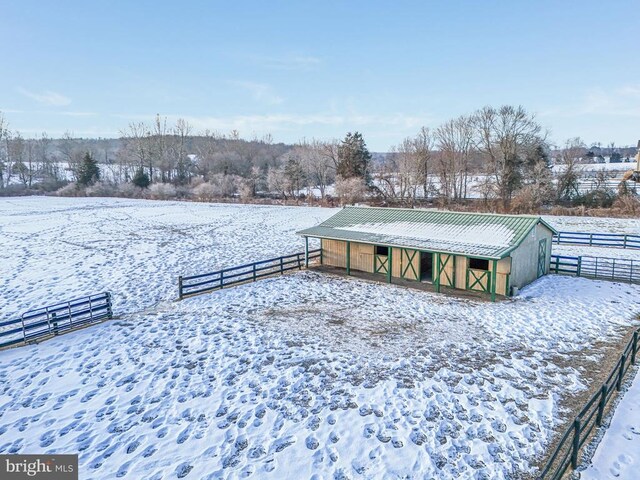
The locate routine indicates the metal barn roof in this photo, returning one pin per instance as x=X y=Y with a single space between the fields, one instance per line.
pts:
x=473 y=234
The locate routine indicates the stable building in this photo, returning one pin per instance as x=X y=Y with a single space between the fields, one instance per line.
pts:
x=488 y=253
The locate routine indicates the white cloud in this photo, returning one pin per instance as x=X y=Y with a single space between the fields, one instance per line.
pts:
x=260 y=92
x=49 y=98
x=621 y=101
x=274 y=123
x=303 y=62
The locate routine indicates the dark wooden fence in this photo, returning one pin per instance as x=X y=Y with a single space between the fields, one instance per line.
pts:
x=567 y=452
x=600 y=268
x=55 y=319
x=619 y=240
x=208 y=282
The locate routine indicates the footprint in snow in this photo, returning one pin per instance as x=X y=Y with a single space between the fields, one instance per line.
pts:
x=282 y=443
x=123 y=470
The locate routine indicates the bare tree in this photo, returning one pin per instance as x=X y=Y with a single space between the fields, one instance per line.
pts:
x=569 y=170
x=454 y=141
x=182 y=131
x=504 y=136
x=5 y=167
x=318 y=162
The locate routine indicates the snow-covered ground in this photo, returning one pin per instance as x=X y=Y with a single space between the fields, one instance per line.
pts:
x=301 y=376
x=60 y=248
x=618 y=454
x=594 y=224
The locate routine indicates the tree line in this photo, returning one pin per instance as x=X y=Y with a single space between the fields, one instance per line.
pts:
x=500 y=155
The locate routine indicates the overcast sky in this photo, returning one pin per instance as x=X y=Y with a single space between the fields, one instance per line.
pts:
x=320 y=69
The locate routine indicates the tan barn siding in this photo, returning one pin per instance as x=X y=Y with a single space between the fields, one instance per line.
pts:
x=448 y=272
x=481 y=285
x=334 y=253
x=502 y=275
x=362 y=257
x=400 y=262
x=395 y=262
x=461 y=272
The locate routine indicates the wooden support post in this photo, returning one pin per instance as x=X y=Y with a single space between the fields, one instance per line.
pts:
x=321 y=252
x=634 y=347
x=623 y=359
x=348 y=258
x=436 y=270
x=306 y=252
x=494 y=276
x=389 y=264
x=576 y=443
x=601 y=404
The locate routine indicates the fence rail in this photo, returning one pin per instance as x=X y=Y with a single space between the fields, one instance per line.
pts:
x=209 y=282
x=567 y=453
x=55 y=319
x=600 y=268
x=619 y=240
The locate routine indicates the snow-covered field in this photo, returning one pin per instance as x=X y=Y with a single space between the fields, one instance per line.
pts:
x=594 y=224
x=301 y=376
x=61 y=248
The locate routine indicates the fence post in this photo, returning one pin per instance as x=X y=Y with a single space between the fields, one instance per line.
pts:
x=69 y=310
x=221 y=278
x=254 y=272
x=299 y=261
x=90 y=309
x=281 y=265
x=591 y=239
x=576 y=443
x=109 y=306
x=624 y=242
x=54 y=320
x=579 y=266
x=634 y=347
x=621 y=373
x=48 y=319
x=601 y=404
x=180 y=287
x=613 y=270
x=24 y=330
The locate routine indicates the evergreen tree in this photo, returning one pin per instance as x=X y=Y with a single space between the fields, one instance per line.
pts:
x=295 y=174
x=88 y=171
x=141 y=179
x=353 y=158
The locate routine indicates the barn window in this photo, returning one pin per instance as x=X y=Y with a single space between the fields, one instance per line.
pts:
x=478 y=264
x=382 y=250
